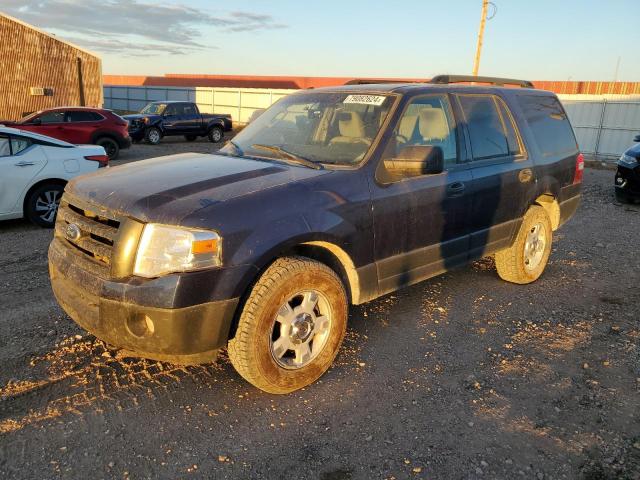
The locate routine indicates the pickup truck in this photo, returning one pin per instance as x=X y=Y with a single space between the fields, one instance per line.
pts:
x=331 y=197
x=163 y=119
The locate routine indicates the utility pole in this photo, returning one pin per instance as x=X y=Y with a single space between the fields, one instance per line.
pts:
x=483 y=20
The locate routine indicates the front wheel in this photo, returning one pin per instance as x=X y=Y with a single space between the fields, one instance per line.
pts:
x=42 y=204
x=291 y=326
x=527 y=258
x=152 y=136
x=215 y=134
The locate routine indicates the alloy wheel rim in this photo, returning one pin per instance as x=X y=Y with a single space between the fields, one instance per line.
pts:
x=154 y=136
x=534 y=246
x=301 y=329
x=47 y=205
x=216 y=135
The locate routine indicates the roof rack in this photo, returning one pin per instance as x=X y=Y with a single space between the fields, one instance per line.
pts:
x=445 y=79
x=370 y=81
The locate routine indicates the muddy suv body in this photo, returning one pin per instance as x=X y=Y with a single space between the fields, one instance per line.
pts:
x=331 y=197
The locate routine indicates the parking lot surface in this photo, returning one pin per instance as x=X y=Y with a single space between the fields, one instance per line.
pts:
x=462 y=376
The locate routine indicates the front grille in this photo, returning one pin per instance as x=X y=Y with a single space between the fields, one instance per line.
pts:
x=93 y=234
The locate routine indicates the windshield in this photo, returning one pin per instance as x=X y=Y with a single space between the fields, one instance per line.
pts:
x=332 y=127
x=30 y=117
x=154 y=108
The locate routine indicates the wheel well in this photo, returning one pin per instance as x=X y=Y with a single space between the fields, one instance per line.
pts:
x=98 y=136
x=326 y=253
x=552 y=207
x=53 y=181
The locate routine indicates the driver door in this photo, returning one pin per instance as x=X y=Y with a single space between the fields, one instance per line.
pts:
x=421 y=220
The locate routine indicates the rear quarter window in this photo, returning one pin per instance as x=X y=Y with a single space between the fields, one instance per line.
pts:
x=549 y=124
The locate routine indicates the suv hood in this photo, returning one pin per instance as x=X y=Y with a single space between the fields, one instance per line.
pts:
x=634 y=151
x=167 y=189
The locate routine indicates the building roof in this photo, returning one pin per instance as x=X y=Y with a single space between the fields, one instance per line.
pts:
x=42 y=32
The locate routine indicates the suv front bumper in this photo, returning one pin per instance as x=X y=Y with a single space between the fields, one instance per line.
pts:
x=188 y=335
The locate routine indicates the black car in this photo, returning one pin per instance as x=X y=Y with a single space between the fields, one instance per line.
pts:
x=331 y=197
x=163 y=119
x=628 y=175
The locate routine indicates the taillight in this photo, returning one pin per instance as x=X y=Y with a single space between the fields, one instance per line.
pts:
x=577 y=176
x=103 y=160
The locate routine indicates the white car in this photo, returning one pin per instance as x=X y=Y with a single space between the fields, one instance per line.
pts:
x=34 y=170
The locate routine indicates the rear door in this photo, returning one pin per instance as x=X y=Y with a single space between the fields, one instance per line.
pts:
x=191 y=119
x=20 y=161
x=501 y=169
x=80 y=125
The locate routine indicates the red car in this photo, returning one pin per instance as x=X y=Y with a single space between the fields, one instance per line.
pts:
x=80 y=125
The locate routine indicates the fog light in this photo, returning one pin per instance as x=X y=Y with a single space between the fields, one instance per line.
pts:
x=140 y=325
x=619 y=180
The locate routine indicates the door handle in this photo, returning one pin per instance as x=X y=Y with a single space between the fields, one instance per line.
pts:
x=525 y=175
x=455 y=189
x=24 y=164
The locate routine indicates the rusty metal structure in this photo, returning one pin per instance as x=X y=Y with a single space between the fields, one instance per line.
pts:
x=39 y=70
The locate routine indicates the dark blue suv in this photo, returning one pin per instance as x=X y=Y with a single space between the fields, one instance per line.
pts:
x=331 y=197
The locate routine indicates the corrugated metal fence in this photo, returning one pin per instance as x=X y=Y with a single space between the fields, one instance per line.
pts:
x=239 y=102
x=604 y=124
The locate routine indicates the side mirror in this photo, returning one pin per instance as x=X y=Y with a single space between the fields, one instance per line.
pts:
x=636 y=138
x=36 y=121
x=417 y=160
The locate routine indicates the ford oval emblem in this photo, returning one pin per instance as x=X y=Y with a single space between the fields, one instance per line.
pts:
x=73 y=232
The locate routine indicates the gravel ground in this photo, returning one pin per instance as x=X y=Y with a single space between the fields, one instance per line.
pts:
x=463 y=376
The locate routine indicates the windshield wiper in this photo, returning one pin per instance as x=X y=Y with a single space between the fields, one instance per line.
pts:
x=297 y=159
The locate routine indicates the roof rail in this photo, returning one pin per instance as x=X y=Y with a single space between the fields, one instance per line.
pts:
x=445 y=79
x=370 y=81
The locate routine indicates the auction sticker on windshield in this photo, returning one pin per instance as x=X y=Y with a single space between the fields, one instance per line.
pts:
x=376 y=100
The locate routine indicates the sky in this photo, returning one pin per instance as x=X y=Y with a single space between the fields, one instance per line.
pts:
x=537 y=40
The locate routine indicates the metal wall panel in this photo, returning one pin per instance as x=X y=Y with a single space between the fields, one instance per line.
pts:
x=32 y=58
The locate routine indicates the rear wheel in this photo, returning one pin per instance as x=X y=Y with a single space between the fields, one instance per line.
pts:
x=42 y=204
x=291 y=326
x=527 y=258
x=215 y=134
x=190 y=138
x=111 y=147
x=152 y=136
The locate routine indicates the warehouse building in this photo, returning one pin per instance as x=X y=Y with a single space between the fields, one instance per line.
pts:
x=38 y=70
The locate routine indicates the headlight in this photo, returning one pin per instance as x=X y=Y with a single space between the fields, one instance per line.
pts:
x=628 y=160
x=164 y=249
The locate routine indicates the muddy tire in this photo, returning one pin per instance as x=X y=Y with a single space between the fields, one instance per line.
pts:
x=291 y=326
x=152 y=136
x=527 y=258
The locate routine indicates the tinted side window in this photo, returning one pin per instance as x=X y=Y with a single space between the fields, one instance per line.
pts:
x=484 y=124
x=5 y=146
x=19 y=144
x=548 y=122
x=172 y=110
x=52 y=117
x=188 y=109
x=83 y=116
